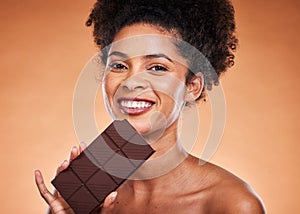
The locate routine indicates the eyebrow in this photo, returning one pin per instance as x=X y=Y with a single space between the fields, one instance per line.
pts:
x=159 y=55
x=117 y=53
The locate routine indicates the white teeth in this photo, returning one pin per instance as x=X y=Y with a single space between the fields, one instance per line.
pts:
x=135 y=104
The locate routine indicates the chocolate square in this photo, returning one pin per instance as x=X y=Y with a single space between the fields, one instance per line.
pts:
x=137 y=149
x=120 y=131
x=85 y=165
x=101 y=184
x=113 y=167
x=101 y=151
x=83 y=201
x=70 y=182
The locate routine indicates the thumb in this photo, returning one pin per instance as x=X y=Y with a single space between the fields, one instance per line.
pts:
x=108 y=203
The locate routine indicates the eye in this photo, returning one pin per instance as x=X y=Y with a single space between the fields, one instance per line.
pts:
x=158 y=68
x=117 y=67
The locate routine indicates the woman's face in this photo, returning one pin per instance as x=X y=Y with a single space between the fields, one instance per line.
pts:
x=144 y=79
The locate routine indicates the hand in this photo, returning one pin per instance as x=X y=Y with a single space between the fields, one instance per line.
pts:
x=57 y=205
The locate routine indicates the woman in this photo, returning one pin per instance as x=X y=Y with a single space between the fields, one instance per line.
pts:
x=150 y=75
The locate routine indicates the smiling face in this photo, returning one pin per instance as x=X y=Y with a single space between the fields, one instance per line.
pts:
x=144 y=79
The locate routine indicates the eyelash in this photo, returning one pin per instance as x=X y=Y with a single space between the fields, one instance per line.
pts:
x=158 y=68
x=117 y=67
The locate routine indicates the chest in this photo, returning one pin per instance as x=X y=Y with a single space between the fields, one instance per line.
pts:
x=171 y=204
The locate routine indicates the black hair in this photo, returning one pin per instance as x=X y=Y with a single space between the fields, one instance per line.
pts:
x=207 y=25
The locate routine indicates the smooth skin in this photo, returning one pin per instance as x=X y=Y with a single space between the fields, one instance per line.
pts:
x=191 y=187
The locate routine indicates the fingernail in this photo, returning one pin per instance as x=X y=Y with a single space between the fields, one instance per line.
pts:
x=64 y=162
x=113 y=196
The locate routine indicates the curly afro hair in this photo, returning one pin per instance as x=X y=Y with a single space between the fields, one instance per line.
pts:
x=207 y=25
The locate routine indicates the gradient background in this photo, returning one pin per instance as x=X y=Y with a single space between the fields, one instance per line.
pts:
x=44 y=45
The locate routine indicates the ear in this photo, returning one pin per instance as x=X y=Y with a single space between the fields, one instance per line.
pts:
x=194 y=87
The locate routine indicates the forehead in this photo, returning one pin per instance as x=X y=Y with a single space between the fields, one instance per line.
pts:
x=144 y=45
x=144 y=39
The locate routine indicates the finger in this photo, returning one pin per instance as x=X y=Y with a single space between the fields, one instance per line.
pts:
x=55 y=193
x=108 y=204
x=82 y=147
x=62 y=167
x=109 y=201
x=74 y=153
x=59 y=169
x=48 y=197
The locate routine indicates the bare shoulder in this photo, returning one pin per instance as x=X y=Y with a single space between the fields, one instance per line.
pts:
x=230 y=194
x=236 y=196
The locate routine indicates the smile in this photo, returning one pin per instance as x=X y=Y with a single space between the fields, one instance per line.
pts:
x=134 y=107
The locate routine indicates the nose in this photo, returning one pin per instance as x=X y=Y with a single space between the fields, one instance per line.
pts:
x=136 y=82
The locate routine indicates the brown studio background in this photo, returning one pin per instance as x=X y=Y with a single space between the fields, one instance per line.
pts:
x=44 y=45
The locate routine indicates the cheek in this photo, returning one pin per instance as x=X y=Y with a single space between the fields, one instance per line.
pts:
x=172 y=84
x=109 y=86
x=171 y=89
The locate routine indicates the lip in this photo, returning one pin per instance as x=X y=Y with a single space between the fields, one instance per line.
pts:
x=135 y=106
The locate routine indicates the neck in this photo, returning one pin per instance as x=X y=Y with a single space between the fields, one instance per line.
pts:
x=169 y=153
x=152 y=176
x=161 y=164
x=166 y=164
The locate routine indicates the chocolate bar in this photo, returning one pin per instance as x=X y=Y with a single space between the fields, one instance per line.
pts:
x=102 y=167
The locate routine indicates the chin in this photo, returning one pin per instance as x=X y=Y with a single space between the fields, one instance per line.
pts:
x=141 y=127
x=151 y=132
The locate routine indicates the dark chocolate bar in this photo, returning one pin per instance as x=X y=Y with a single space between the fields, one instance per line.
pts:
x=102 y=167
